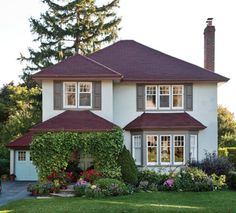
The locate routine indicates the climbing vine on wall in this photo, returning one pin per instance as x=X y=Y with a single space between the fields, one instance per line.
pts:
x=52 y=151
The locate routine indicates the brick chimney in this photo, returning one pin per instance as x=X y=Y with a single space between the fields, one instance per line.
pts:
x=209 y=46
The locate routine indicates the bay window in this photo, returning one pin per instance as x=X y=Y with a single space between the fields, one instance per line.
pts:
x=85 y=94
x=179 y=141
x=177 y=96
x=152 y=150
x=165 y=149
x=151 y=97
x=164 y=97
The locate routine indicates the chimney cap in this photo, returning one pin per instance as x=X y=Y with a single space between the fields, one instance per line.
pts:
x=209 y=21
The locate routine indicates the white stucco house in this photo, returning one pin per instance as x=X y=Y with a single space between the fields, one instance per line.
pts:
x=167 y=107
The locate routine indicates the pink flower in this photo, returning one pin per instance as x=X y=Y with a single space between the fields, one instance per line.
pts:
x=169 y=183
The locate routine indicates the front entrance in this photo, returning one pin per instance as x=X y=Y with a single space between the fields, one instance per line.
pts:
x=24 y=168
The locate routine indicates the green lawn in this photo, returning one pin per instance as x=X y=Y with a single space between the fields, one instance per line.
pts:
x=224 y=201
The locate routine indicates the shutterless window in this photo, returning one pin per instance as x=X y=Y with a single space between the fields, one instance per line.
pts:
x=193 y=148
x=179 y=141
x=21 y=156
x=164 y=96
x=136 y=139
x=152 y=150
x=85 y=94
x=70 y=94
x=151 y=97
x=165 y=149
x=177 y=96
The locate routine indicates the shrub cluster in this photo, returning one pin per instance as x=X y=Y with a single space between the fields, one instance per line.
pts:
x=40 y=189
x=229 y=152
x=231 y=180
x=213 y=164
x=4 y=166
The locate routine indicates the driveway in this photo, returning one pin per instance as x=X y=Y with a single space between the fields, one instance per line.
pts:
x=14 y=190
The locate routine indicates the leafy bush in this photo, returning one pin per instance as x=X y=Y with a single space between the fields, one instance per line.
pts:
x=192 y=179
x=93 y=191
x=129 y=170
x=213 y=164
x=219 y=182
x=232 y=156
x=111 y=187
x=39 y=189
x=228 y=141
x=150 y=180
x=231 y=180
x=4 y=166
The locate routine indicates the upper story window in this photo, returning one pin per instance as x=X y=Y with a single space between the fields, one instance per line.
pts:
x=151 y=97
x=77 y=94
x=164 y=97
x=168 y=96
x=70 y=94
x=85 y=94
x=177 y=96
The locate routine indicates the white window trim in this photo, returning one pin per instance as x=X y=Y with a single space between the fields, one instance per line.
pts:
x=166 y=163
x=64 y=95
x=178 y=163
x=146 y=107
x=159 y=97
x=157 y=148
x=91 y=92
x=133 y=149
x=172 y=95
x=196 y=148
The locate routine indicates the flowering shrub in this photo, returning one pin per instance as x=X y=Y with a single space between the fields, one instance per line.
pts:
x=90 y=175
x=80 y=187
x=192 y=179
x=59 y=178
x=111 y=187
x=219 y=182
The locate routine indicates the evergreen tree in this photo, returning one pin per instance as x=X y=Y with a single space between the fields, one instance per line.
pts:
x=70 y=27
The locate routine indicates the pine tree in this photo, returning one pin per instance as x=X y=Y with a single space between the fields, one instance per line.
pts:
x=70 y=27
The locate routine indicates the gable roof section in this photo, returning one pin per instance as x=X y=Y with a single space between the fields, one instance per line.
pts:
x=77 y=66
x=164 y=121
x=75 y=121
x=136 y=62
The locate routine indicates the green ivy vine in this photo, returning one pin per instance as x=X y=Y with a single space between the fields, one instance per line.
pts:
x=51 y=151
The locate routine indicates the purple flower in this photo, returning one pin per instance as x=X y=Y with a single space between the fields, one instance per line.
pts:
x=169 y=183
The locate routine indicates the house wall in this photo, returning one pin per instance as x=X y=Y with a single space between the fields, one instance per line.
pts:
x=205 y=111
x=107 y=101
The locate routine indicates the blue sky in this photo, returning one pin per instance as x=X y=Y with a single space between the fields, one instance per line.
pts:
x=173 y=27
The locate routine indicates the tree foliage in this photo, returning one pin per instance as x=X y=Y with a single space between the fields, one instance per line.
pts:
x=70 y=27
x=21 y=109
x=51 y=152
x=226 y=126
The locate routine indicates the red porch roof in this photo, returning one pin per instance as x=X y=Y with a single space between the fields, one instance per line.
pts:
x=164 y=121
x=22 y=142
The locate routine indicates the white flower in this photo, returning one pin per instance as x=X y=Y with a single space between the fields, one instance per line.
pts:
x=93 y=187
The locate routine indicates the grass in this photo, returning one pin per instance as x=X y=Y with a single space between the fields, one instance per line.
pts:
x=221 y=201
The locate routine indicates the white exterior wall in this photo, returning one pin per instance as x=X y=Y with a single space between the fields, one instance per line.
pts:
x=107 y=101
x=124 y=99
x=205 y=111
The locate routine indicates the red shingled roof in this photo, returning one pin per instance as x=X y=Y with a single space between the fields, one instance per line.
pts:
x=77 y=66
x=165 y=121
x=75 y=121
x=22 y=142
x=140 y=63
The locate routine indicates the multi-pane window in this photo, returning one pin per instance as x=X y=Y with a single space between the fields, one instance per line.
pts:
x=21 y=156
x=177 y=96
x=81 y=91
x=85 y=94
x=165 y=149
x=151 y=97
x=164 y=96
x=152 y=149
x=70 y=94
x=179 y=149
x=193 y=147
x=136 y=139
